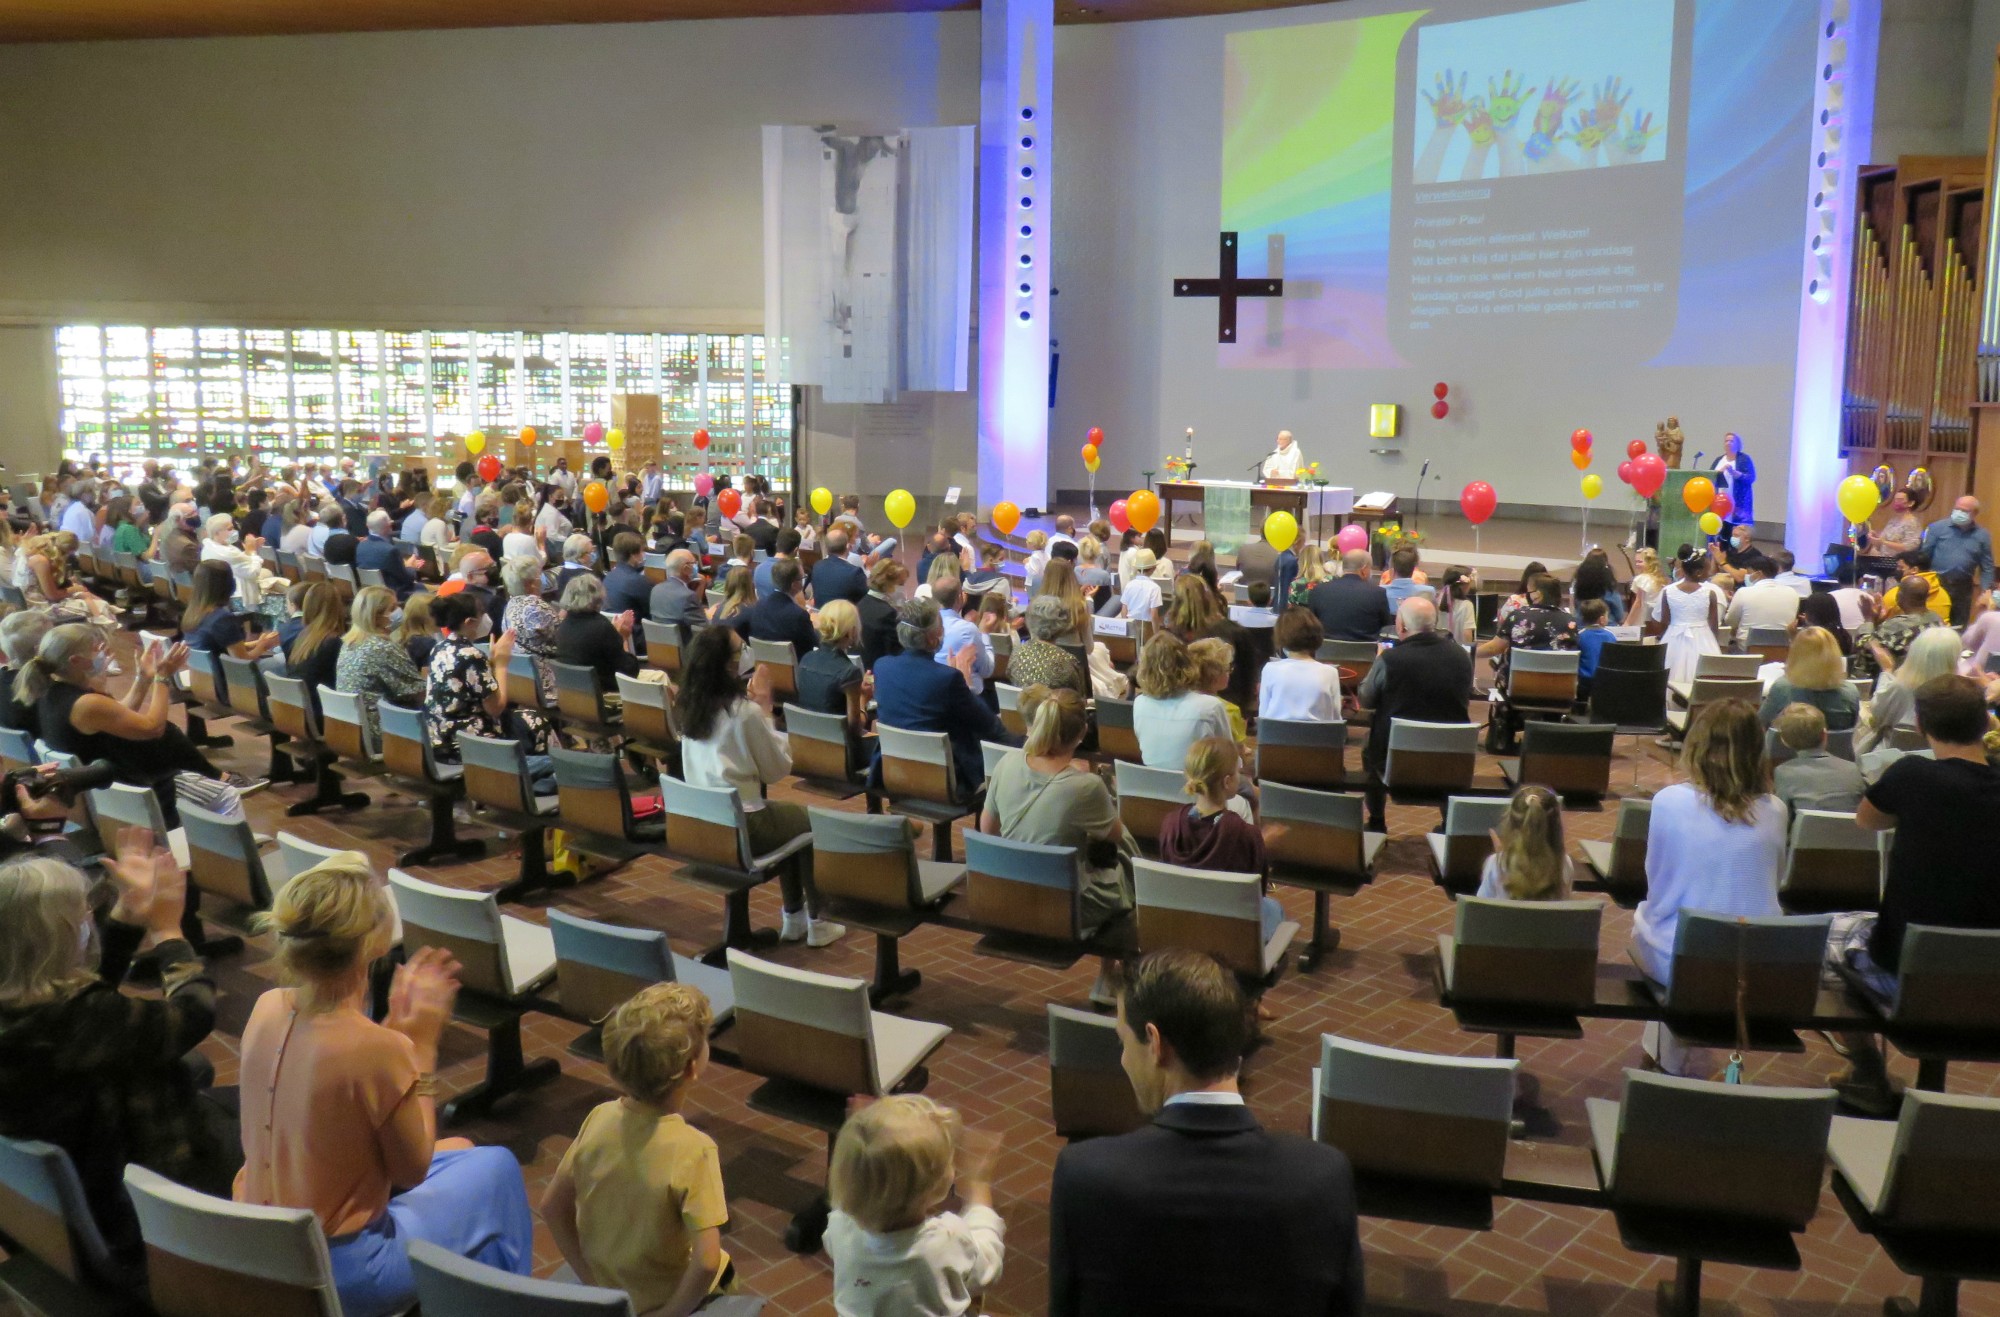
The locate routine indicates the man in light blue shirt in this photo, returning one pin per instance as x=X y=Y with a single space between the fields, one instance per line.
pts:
x=1402 y=584
x=961 y=632
x=1961 y=553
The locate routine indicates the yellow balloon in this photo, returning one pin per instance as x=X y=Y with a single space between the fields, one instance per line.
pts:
x=822 y=500
x=615 y=436
x=900 y=506
x=1593 y=485
x=1858 y=497
x=475 y=443
x=1280 y=531
x=1710 y=524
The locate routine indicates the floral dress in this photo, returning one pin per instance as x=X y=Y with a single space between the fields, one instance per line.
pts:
x=533 y=623
x=377 y=669
x=455 y=694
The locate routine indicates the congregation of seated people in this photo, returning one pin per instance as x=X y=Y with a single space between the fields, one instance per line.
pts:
x=1878 y=709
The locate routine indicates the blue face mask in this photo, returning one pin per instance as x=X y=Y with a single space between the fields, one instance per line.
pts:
x=1961 y=518
x=395 y=617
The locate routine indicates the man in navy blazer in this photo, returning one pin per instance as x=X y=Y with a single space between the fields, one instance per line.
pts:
x=916 y=693
x=377 y=553
x=833 y=577
x=1203 y=1211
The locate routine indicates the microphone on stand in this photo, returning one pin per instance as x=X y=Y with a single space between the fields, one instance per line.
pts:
x=1698 y=455
x=1416 y=504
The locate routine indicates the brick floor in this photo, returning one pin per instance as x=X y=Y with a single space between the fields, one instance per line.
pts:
x=1377 y=988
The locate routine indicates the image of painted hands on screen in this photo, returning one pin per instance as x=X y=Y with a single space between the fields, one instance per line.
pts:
x=1602 y=131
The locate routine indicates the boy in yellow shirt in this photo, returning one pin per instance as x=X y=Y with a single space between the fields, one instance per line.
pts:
x=637 y=1204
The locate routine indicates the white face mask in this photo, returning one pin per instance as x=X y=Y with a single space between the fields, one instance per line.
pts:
x=229 y=538
x=395 y=617
x=100 y=663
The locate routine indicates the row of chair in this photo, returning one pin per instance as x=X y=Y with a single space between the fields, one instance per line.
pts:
x=1831 y=862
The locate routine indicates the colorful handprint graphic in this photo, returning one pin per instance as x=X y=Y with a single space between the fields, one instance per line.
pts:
x=1504 y=100
x=1553 y=105
x=1448 y=101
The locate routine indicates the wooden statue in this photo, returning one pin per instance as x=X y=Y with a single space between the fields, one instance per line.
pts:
x=1670 y=441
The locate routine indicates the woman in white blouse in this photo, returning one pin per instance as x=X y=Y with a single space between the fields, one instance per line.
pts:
x=1170 y=714
x=1298 y=687
x=728 y=741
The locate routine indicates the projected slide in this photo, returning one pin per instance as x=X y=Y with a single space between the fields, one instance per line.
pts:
x=1533 y=184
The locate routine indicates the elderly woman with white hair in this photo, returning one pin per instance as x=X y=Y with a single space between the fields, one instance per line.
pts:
x=110 y=1079
x=222 y=542
x=579 y=553
x=531 y=618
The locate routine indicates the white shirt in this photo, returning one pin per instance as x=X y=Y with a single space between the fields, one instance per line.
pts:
x=412 y=529
x=1300 y=690
x=743 y=753
x=1141 y=597
x=553 y=522
x=1697 y=860
x=519 y=543
x=298 y=539
x=1284 y=465
x=1166 y=728
x=1206 y=1097
x=1762 y=603
x=80 y=521
x=247 y=568
x=931 y=1270
x=562 y=478
x=1800 y=585
x=316 y=542
x=960 y=631
x=437 y=534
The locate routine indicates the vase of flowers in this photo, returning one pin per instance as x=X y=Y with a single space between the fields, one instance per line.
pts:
x=1177 y=467
x=1389 y=536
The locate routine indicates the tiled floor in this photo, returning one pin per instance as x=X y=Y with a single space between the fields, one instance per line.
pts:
x=1377 y=988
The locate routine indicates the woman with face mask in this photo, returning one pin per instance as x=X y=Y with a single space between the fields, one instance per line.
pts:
x=222 y=542
x=109 y=1078
x=463 y=694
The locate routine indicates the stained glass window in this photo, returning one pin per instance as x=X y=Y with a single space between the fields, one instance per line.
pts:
x=131 y=391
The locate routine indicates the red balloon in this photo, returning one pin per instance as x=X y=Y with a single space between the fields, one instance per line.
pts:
x=1637 y=448
x=701 y=439
x=1580 y=441
x=1648 y=474
x=730 y=502
x=1440 y=390
x=1722 y=505
x=1440 y=409
x=1115 y=514
x=1477 y=501
x=489 y=468
x=1094 y=436
x=1625 y=471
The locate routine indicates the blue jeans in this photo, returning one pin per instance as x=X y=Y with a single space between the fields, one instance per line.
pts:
x=474 y=1203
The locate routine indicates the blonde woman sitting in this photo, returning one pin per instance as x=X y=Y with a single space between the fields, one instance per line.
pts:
x=43 y=576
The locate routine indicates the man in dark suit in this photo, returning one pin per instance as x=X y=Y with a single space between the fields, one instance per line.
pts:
x=764 y=531
x=917 y=693
x=626 y=589
x=834 y=577
x=378 y=554
x=782 y=616
x=1426 y=676
x=1351 y=606
x=1203 y=1211
x=878 y=611
x=678 y=598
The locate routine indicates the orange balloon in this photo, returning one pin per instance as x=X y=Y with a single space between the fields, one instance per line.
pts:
x=595 y=496
x=1005 y=517
x=528 y=435
x=1698 y=495
x=1142 y=509
x=1090 y=458
x=1579 y=458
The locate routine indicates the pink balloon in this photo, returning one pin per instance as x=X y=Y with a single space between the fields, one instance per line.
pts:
x=1477 y=502
x=1648 y=474
x=1115 y=514
x=704 y=484
x=1351 y=539
x=1625 y=470
x=593 y=433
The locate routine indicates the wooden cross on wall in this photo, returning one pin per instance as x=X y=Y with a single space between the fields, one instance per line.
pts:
x=1227 y=289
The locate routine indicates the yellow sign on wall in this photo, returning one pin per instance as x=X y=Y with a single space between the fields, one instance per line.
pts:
x=1385 y=420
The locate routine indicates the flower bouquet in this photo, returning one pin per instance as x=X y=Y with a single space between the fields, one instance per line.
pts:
x=1177 y=467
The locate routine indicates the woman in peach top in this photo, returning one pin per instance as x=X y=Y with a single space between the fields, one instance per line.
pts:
x=338 y=1111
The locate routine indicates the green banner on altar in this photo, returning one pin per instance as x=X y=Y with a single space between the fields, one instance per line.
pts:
x=1225 y=516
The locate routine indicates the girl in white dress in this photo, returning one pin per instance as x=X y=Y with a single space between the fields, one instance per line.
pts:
x=1687 y=613
x=1647 y=582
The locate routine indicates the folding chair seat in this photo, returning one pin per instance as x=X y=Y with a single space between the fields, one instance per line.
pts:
x=1359 y=653
x=1010 y=707
x=1027 y=901
x=1629 y=688
x=1770 y=644
x=497 y=781
x=1946 y=1005
x=1458 y=854
x=1832 y=864
x=17 y=750
x=825 y=753
x=816 y=1041
x=523 y=682
x=663 y=645
x=1003 y=656
x=408 y=765
x=1570 y=759
x=1764 y=971
x=243 y=687
x=706 y=830
x=503 y=964
x=1542 y=681
x=1620 y=864
x=779 y=662
x=1089 y=1092
x=1218 y=914
x=1928 y=1189
x=1428 y=763
x=1520 y=967
x=599 y=967
x=1146 y=797
x=990 y=755
x=594 y=801
x=451 y=1286
x=1426 y=1135
x=1116 y=737
x=919 y=779
x=1302 y=754
x=210 y=1257
x=345 y=579
x=224 y=861
x=293 y=716
x=866 y=868
x=647 y=722
x=1317 y=840
x=580 y=701
x=57 y=1263
x=1706 y=690
x=1708 y=1172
